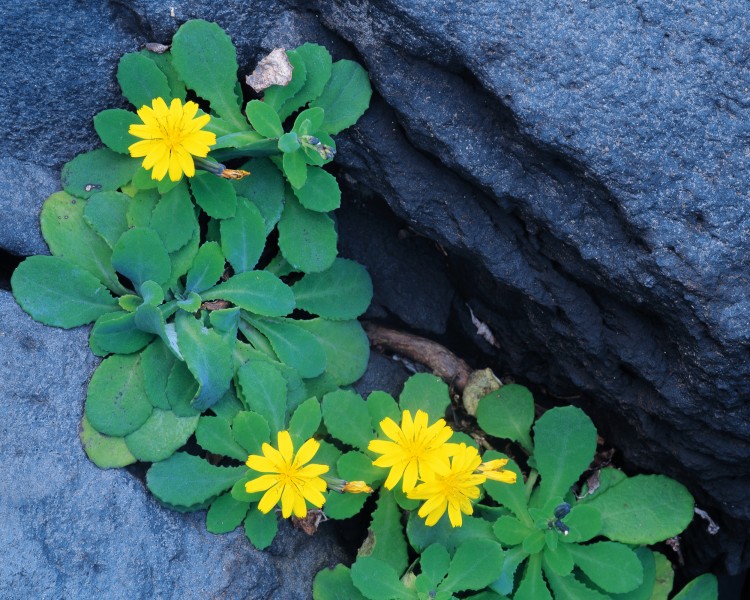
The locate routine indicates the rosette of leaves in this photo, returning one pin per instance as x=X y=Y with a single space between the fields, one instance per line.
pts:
x=557 y=544
x=179 y=277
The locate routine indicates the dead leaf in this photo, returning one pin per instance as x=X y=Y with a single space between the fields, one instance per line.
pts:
x=274 y=69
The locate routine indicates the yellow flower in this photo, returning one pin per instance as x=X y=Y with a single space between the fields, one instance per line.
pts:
x=356 y=487
x=452 y=487
x=415 y=451
x=493 y=469
x=287 y=478
x=170 y=137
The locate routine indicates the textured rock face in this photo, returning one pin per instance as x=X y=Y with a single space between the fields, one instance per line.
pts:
x=582 y=165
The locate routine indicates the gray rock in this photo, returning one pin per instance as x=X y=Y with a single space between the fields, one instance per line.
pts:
x=72 y=530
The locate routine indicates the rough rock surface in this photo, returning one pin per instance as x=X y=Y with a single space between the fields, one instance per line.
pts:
x=72 y=530
x=583 y=165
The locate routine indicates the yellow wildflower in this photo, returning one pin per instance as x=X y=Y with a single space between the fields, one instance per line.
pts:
x=288 y=477
x=451 y=487
x=356 y=487
x=415 y=451
x=493 y=469
x=170 y=137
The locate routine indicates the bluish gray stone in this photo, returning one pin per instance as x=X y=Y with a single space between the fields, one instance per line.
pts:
x=72 y=530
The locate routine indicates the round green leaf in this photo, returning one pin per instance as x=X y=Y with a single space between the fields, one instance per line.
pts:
x=173 y=218
x=107 y=214
x=293 y=345
x=243 y=236
x=475 y=565
x=321 y=191
x=704 y=587
x=140 y=256
x=214 y=435
x=346 y=346
x=160 y=436
x=157 y=362
x=225 y=514
x=343 y=506
x=510 y=531
x=264 y=188
x=104 y=451
x=644 y=509
x=425 y=392
x=261 y=528
x=116 y=402
x=117 y=333
x=347 y=419
x=258 y=292
x=207 y=268
x=141 y=81
x=97 y=171
x=216 y=196
x=305 y=421
x=277 y=95
x=345 y=97
x=57 y=293
x=181 y=389
x=385 y=539
x=341 y=292
x=564 y=446
x=112 y=126
x=264 y=119
x=381 y=405
x=263 y=390
x=613 y=567
x=289 y=142
x=559 y=559
x=316 y=61
x=508 y=413
x=377 y=580
x=295 y=168
x=307 y=239
x=335 y=584
x=186 y=480
x=250 y=430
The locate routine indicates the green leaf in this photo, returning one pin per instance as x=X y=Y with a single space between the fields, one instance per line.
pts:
x=164 y=62
x=140 y=256
x=112 y=126
x=381 y=405
x=241 y=139
x=385 y=537
x=68 y=236
x=307 y=239
x=644 y=509
x=107 y=214
x=584 y=522
x=173 y=218
x=704 y=587
x=355 y=466
x=206 y=60
x=435 y=562
x=475 y=565
x=141 y=207
x=305 y=421
x=341 y=292
x=228 y=407
x=534 y=542
x=216 y=196
x=510 y=531
x=250 y=430
x=225 y=514
x=564 y=446
x=570 y=587
x=335 y=584
x=346 y=418
x=117 y=333
x=183 y=259
x=105 y=451
x=208 y=356
x=427 y=393
x=263 y=390
x=260 y=529
x=346 y=346
x=214 y=435
x=264 y=119
x=141 y=80
x=264 y=188
x=181 y=390
x=57 y=293
x=420 y=536
x=259 y=292
x=320 y=192
x=508 y=413
x=116 y=402
x=187 y=480
x=506 y=582
x=613 y=567
x=317 y=65
x=243 y=236
x=643 y=591
x=97 y=171
x=345 y=97
x=378 y=581
x=293 y=345
x=289 y=142
x=160 y=436
x=559 y=559
x=308 y=121
x=664 y=577
x=207 y=268
x=157 y=362
x=277 y=95
x=532 y=585
x=295 y=168
x=343 y=506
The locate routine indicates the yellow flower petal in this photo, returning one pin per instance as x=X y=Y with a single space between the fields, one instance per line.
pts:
x=286 y=448
x=270 y=498
x=392 y=430
x=261 y=484
x=288 y=500
x=306 y=452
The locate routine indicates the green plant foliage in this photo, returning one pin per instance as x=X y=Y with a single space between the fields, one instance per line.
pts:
x=704 y=587
x=216 y=196
x=105 y=451
x=141 y=80
x=258 y=292
x=264 y=391
x=97 y=171
x=345 y=97
x=214 y=435
x=342 y=292
x=377 y=580
x=347 y=419
x=160 y=436
x=225 y=514
x=335 y=584
x=425 y=392
x=112 y=127
x=508 y=413
x=243 y=236
x=107 y=214
x=385 y=539
x=307 y=239
x=261 y=529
